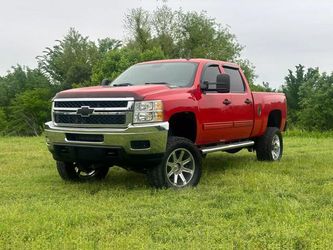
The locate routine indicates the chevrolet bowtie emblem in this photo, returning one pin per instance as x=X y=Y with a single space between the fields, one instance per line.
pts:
x=85 y=111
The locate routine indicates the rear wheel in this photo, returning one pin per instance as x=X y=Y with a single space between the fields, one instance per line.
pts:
x=72 y=171
x=269 y=147
x=181 y=165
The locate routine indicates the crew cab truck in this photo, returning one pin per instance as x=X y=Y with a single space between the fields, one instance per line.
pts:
x=161 y=118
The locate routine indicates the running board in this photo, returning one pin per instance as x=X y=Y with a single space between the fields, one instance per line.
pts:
x=228 y=146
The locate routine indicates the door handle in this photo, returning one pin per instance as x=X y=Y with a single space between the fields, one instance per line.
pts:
x=226 y=102
x=248 y=101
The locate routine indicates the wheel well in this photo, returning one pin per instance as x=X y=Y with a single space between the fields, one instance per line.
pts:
x=274 y=119
x=183 y=125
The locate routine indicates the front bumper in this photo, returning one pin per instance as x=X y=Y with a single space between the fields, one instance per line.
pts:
x=113 y=138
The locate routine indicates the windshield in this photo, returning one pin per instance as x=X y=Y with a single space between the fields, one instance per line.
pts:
x=175 y=74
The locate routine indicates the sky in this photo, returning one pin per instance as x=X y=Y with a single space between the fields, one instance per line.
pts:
x=277 y=35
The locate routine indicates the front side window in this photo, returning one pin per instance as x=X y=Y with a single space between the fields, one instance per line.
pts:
x=211 y=73
x=175 y=74
x=236 y=81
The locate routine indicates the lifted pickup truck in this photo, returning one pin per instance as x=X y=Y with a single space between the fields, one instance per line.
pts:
x=161 y=118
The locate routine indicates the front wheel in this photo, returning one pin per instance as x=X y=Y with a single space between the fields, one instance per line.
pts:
x=269 y=147
x=180 y=167
x=72 y=171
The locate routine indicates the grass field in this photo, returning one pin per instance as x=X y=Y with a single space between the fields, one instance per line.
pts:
x=239 y=203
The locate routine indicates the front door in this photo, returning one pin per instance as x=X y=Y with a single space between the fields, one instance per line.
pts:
x=215 y=113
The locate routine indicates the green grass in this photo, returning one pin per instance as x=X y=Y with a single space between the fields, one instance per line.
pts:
x=239 y=203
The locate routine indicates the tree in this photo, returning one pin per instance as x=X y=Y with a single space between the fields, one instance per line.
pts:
x=28 y=112
x=21 y=91
x=107 y=44
x=293 y=83
x=19 y=80
x=138 y=25
x=116 y=61
x=310 y=98
x=14 y=82
x=182 y=34
x=3 y=122
x=76 y=61
x=248 y=69
x=316 y=101
x=264 y=87
x=201 y=36
x=164 y=26
x=71 y=60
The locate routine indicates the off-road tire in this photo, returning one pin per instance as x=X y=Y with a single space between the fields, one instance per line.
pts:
x=157 y=175
x=264 y=145
x=68 y=171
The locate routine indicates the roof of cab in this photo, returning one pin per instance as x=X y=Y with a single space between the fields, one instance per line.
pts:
x=196 y=60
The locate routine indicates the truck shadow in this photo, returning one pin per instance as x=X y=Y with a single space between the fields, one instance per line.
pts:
x=214 y=164
x=218 y=162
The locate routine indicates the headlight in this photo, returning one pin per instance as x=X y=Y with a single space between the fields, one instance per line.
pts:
x=148 y=111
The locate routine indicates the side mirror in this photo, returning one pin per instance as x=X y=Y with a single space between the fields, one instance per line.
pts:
x=105 y=82
x=223 y=83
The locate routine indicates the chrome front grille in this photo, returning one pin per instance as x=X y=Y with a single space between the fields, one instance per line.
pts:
x=94 y=104
x=93 y=119
x=92 y=112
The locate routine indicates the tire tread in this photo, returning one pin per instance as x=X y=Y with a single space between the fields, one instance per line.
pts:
x=155 y=174
x=263 y=144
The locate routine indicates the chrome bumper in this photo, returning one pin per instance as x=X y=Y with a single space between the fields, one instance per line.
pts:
x=156 y=133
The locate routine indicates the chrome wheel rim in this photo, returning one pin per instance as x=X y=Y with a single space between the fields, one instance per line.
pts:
x=180 y=167
x=83 y=173
x=276 y=147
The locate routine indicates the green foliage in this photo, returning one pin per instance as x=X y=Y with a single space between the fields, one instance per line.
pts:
x=76 y=61
x=316 y=101
x=262 y=88
x=248 y=70
x=18 y=80
x=240 y=203
x=201 y=36
x=182 y=34
x=293 y=82
x=25 y=100
x=164 y=26
x=107 y=44
x=3 y=122
x=29 y=111
x=310 y=98
x=308 y=134
x=154 y=53
x=113 y=63
x=116 y=61
x=138 y=26
x=71 y=60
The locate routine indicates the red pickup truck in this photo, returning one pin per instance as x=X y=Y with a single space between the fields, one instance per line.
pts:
x=161 y=118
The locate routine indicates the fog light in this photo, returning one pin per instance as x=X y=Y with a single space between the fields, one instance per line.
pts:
x=140 y=144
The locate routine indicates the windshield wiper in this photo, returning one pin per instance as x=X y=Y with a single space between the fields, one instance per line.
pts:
x=122 y=84
x=165 y=83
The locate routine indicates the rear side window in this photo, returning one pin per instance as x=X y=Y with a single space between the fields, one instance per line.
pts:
x=236 y=81
x=211 y=73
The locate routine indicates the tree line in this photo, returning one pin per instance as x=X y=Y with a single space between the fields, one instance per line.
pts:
x=310 y=98
x=76 y=61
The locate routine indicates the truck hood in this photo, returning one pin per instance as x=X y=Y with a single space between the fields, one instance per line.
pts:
x=138 y=92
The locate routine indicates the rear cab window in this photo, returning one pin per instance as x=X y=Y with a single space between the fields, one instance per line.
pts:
x=236 y=81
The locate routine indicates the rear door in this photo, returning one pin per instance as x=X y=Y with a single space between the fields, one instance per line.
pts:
x=241 y=104
x=215 y=112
